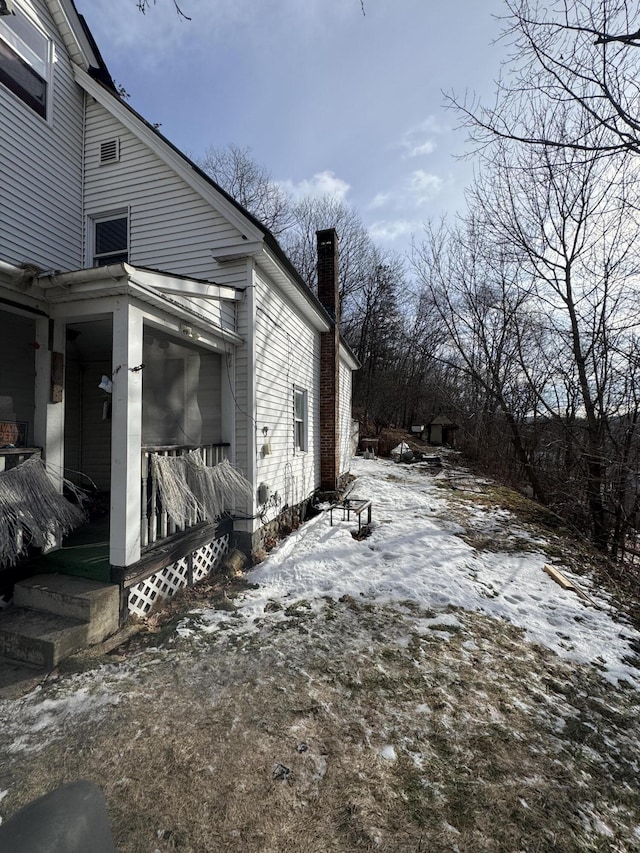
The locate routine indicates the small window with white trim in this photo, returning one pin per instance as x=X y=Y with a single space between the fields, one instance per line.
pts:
x=110 y=240
x=26 y=61
x=300 y=419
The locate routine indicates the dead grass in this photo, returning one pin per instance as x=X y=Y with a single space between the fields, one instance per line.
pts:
x=348 y=728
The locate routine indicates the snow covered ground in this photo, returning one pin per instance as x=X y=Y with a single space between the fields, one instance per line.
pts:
x=404 y=691
x=415 y=554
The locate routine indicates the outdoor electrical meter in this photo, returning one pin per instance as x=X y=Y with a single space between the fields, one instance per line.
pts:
x=264 y=493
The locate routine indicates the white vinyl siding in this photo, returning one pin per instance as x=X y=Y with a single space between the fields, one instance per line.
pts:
x=287 y=357
x=241 y=378
x=171 y=227
x=344 y=417
x=41 y=169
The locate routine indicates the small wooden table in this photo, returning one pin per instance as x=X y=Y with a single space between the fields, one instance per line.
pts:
x=352 y=505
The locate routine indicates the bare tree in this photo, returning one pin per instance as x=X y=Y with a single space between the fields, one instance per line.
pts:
x=251 y=184
x=371 y=280
x=474 y=289
x=356 y=248
x=577 y=53
x=574 y=226
x=567 y=324
x=375 y=330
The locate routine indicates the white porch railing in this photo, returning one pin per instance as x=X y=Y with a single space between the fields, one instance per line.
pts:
x=155 y=523
x=10 y=457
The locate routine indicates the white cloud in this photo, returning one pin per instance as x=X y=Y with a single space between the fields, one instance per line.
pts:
x=427 y=147
x=389 y=230
x=415 y=191
x=161 y=35
x=321 y=184
x=424 y=186
x=380 y=200
x=418 y=141
x=120 y=26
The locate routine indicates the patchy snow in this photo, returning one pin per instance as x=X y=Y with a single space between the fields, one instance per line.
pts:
x=389 y=753
x=46 y=718
x=415 y=555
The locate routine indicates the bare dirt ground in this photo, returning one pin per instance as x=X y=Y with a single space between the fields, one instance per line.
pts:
x=350 y=725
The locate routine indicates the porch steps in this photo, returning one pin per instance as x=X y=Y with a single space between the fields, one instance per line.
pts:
x=54 y=616
x=40 y=639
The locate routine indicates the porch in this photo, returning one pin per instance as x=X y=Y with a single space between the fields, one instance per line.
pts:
x=112 y=370
x=54 y=613
x=171 y=555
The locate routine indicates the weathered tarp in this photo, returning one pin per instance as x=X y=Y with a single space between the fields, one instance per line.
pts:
x=190 y=488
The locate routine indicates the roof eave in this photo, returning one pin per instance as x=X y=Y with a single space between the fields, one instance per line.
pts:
x=79 y=41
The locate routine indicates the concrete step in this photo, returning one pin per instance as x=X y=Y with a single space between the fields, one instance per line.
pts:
x=40 y=639
x=90 y=601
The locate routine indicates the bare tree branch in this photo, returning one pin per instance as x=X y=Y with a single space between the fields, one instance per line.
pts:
x=632 y=39
x=562 y=54
x=143 y=5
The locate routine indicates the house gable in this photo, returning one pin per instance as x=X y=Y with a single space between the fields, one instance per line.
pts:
x=170 y=225
x=244 y=231
x=245 y=238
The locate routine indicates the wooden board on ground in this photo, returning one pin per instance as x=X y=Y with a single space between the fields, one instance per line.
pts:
x=567 y=583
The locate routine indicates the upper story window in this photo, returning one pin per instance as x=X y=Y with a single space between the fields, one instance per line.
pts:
x=111 y=241
x=26 y=59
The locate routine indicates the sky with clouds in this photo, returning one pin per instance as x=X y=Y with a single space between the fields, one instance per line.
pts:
x=329 y=99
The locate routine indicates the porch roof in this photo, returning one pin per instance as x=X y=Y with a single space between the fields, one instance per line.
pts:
x=153 y=287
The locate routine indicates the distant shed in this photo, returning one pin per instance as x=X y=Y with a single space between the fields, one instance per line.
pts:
x=442 y=430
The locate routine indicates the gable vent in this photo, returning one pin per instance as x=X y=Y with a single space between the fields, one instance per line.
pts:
x=110 y=151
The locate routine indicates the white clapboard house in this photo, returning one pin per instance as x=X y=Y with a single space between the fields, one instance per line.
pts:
x=144 y=315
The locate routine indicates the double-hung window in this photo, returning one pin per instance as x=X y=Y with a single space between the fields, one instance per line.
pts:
x=26 y=61
x=110 y=240
x=300 y=419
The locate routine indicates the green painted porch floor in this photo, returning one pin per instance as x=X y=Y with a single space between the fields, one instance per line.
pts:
x=85 y=553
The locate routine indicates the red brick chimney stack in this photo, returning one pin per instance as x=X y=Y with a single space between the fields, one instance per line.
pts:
x=328 y=294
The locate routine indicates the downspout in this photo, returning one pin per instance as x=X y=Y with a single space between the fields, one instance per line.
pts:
x=83 y=165
x=83 y=276
x=16 y=274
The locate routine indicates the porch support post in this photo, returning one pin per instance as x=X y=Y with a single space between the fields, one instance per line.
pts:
x=126 y=435
x=48 y=427
x=227 y=401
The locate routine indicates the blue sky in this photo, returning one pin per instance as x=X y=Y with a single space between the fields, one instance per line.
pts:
x=326 y=97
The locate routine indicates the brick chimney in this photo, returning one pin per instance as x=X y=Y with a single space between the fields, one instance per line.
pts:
x=328 y=294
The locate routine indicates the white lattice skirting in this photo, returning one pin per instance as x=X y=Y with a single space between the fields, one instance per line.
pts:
x=188 y=570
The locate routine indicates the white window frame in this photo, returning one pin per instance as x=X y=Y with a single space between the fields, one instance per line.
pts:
x=95 y=220
x=41 y=64
x=300 y=420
